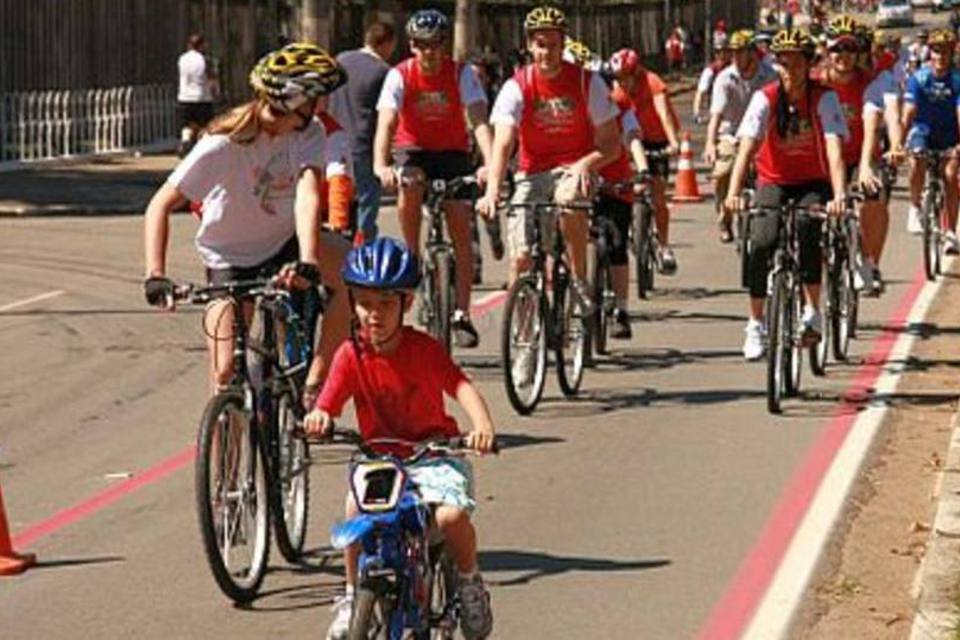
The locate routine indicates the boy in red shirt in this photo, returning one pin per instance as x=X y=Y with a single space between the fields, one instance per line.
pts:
x=396 y=376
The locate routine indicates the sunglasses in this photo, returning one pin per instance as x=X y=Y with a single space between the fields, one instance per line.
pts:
x=427 y=45
x=847 y=47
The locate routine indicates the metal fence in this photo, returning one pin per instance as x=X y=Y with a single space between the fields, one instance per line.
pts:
x=39 y=125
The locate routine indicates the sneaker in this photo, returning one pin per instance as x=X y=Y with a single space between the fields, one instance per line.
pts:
x=523 y=367
x=811 y=326
x=951 y=245
x=863 y=275
x=914 y=224
x=582 y=298
x=667 y=262
x=621 y=329
x=754 y=334
x=878 y=284
x=340 y=627
x=476 y=618
x=465 y=334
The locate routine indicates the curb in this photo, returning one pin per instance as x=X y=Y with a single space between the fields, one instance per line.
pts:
x=937 y=612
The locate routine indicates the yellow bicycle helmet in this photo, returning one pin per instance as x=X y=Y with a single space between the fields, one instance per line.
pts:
x=742 y=39
x=289 y=77
x=841 y=25
x=941 y=37
x=576 y=52
x=545 y=18
x=793 y=40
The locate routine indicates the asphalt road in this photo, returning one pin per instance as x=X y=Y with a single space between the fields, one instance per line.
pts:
x=623 y=513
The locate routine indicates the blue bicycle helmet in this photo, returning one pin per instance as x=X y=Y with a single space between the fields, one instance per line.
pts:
x=383 y=263
x=428 y=24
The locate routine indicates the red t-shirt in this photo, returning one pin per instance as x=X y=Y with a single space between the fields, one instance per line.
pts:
x=649 y=85
x=397 y=395
x=555 y=127
x=851 y=101
x=795 y=159
x=431 y=117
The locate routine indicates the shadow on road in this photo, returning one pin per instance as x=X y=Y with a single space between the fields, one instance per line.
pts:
x=597 y=402
x=534 y=565
x=76 y=562
x=665 y=358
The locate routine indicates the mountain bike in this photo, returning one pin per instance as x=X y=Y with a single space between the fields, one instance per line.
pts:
x=646 y=241
x=407 y=585
x=784 y=303
x=841 y=300
x=931 y=206
x=541 y=314
x=438 y=301
x=250 y=469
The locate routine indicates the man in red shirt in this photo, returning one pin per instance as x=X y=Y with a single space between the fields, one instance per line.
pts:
x=566 y=126
x=421 y=115
x=659 y=125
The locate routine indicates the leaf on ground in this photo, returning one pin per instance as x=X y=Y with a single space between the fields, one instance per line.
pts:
x=919 y=527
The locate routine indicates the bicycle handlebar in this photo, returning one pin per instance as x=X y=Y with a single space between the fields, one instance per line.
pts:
x=442 y=446
x=238 y=289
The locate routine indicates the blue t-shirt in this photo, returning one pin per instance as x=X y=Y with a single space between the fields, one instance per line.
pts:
x=937 y=100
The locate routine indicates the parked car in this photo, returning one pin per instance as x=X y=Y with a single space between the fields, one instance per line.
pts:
x=894 y=13
x=921 y=4
x=941 y=5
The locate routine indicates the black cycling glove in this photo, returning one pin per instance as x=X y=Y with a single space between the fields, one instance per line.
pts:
x=157 y=290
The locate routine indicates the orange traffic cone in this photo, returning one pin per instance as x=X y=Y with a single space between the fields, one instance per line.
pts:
x=11 y=562
x=686 y=188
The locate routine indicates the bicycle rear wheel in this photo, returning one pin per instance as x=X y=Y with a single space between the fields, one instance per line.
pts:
x=571 y=337
x=795 y=351
x=820 y=352
x=291 y=482
x=523 y=345
x=643 y=249
x=931 y=235
x=601 y=285
x=232 y=496
x=439 y=292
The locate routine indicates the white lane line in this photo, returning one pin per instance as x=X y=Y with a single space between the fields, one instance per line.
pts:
x=42 y=296
x=775 y=613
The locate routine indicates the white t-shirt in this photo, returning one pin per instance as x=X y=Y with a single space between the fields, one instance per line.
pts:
x=882 y=91
x=248 y=193
x=508 y=107
x=706 y=79
x=732 y=93
x=391 y=95
x=757 y=117
x=194 y=84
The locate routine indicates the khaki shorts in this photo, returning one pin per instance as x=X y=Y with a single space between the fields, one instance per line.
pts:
x=726 y=154
x=548 y=186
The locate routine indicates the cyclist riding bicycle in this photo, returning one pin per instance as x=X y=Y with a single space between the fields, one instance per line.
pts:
x=859 y=90
x=397 y=377
x=659 y=125
x=422 y=118
x=796 y=127
x=722 y=56
x=566 y=126
x=732 y=91
x=258 y=173
x=931 y=115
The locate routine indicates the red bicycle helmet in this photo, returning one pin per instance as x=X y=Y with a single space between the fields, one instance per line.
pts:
x=625 y=62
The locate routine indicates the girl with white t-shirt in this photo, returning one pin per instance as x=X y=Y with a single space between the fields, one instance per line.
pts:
x=258 y=172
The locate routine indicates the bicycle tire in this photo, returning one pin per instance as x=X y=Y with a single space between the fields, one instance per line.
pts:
x=524 y=298
x=599 y=278
x=210 y=442
x=929 y=235
x=819 y=353
x=776 y=370
x=840 y=329
x=441 y=305
x=795 y=353
x=642 y=240
x=571 y=334
x=371 y=614
x=290 y=482
x=444 y=585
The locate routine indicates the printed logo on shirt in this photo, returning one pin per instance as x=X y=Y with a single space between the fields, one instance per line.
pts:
x=433 y=105
x=939 y=91
x=553 y=113
x=273 y=183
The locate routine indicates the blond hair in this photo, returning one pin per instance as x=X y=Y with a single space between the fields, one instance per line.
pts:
x=241 y=124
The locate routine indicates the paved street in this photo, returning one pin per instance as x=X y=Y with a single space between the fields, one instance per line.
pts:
x=628 y=508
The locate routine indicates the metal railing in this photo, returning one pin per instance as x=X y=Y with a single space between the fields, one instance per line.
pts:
x=44 y=125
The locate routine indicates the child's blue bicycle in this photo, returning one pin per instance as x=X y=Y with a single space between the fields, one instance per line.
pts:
x=407 y=583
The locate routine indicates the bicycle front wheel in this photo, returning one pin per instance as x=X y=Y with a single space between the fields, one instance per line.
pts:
x=644 y=250
x=440 y=290
x=572 y=333
x=795 y=351
x=291 y=482
x=777 y=349
x=371 y=614
x=523 y=345
x=231 y=496
x=602 y=290
x=931 y=237
x=820 y=352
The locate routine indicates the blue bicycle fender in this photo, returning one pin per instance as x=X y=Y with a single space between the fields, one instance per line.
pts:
x=343 y=534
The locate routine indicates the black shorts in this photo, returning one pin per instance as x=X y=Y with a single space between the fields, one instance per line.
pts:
x=289 y=252
x=195 y=113
x=438 y=165
x=619 y=212
x=659 y=165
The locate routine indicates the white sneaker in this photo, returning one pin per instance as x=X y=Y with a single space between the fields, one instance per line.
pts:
x=811 y=326
x=863 y=275
x=340 y=627
x=753 y=340
x=914 y=224
x=951 y=245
